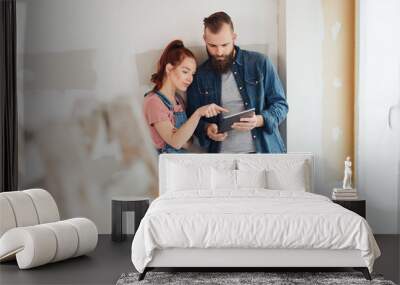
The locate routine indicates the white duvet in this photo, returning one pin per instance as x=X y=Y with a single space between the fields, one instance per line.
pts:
x=251 y=218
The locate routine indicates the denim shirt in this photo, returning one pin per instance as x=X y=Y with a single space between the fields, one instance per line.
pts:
x=260 y=88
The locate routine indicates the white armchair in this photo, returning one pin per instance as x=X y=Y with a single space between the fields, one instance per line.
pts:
x=31 y=230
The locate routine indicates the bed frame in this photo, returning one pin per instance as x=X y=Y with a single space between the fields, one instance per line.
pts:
x=246 y=258
x=242 y=259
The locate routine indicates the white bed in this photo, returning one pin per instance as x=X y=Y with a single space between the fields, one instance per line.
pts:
x=219 y=224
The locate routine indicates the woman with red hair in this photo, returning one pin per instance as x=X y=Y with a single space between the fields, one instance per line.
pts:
x=164 y=109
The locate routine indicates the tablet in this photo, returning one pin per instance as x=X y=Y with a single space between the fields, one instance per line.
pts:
x=226 y=123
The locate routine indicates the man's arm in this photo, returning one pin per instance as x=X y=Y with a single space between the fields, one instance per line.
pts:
x=276 y=107
x=194 y=102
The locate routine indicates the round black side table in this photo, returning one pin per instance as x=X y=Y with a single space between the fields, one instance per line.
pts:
x=121 y=204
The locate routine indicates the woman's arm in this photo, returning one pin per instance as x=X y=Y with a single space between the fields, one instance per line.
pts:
x=177 y=138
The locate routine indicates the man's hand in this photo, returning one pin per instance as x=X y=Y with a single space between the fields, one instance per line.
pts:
x=212 y=133
x=247 y=124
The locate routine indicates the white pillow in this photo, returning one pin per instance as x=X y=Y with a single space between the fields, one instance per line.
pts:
x=224 y=179
x=251 y=178
x=292 y=177
x=182 y=177
x=236 y=179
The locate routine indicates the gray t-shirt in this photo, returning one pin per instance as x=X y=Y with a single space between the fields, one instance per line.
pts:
x=237 y=141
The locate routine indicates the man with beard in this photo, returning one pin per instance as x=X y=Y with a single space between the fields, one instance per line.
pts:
x=237 y=80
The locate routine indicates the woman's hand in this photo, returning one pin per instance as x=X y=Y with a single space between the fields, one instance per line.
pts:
x=210 y=110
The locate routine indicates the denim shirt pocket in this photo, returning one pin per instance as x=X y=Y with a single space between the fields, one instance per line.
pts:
x=207 y=92
x=254 y=88
x=254 y=79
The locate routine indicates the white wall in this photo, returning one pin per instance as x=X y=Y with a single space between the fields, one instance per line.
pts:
x=378 y=102
x=304 y=66
x=81 y=64
x=313 y=44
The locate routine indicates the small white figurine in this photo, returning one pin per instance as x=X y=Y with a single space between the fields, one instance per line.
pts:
x=347 y=174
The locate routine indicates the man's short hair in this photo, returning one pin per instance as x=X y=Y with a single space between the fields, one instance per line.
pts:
x=215 y=21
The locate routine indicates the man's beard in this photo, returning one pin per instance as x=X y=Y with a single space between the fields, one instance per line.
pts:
x=222 y=66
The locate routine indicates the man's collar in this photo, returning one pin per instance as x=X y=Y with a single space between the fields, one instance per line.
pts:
x=238 y=56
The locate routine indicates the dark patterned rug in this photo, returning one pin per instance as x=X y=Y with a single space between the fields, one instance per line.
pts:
x=229 y=278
